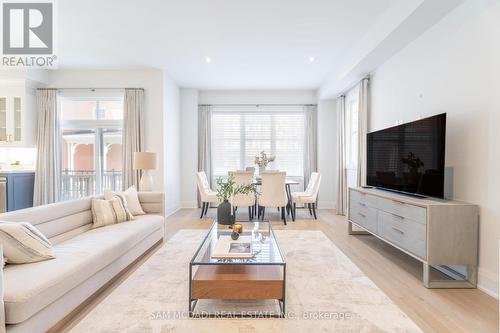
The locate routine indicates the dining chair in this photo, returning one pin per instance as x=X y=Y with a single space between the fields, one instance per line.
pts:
x=308 y=197
x=250 y=169
x=244 y=200
x=206 y=193
x=273 y=193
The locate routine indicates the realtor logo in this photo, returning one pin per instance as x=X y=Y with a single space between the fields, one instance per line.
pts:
x=27 y=28
x=28 y=33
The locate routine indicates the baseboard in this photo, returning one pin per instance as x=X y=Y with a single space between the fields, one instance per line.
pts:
x=326 y=205
x=488 y=283
x=189 y=204
x=172 y=210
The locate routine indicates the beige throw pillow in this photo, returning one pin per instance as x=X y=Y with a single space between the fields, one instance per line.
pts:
x=23 y=243
x=107 y=212
x=109 y=195
x=132 y=198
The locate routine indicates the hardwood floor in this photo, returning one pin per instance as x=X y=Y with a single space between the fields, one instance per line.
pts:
x=397 y=274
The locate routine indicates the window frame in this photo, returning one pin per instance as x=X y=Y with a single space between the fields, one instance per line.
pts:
x=244 y=110
x=96 y=125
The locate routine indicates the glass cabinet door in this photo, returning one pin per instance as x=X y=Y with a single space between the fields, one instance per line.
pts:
x=3 y=119
x=17 y=119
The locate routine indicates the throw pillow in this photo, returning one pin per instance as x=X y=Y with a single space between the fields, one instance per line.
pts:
x=107 y=212
x=133 y=201
x=109 y=195
x=23 y=243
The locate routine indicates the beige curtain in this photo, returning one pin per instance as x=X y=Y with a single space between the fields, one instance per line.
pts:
x=133 y=134
x=363 y=101
x=310 y=142
x=341 y=157
x=48 y=161
x=204 y=143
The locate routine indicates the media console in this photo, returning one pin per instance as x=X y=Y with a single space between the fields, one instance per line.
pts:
x=435 y=232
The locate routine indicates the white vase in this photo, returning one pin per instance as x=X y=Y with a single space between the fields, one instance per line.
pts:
x=262 y=169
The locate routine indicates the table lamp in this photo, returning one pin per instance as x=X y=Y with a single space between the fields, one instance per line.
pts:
x=145 y=161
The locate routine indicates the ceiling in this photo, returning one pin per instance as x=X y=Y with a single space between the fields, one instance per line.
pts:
x=259 y=44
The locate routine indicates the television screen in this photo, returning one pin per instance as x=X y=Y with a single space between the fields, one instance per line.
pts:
x=409 y=158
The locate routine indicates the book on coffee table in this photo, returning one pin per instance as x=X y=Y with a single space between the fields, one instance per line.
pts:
x=227 y=248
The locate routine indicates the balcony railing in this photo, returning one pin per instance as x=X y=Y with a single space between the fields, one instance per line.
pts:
x=81 y=183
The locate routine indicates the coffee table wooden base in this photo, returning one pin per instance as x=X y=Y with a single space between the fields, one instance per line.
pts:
x=238 y=282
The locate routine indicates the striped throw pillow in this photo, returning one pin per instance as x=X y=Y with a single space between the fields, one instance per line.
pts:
x=107 y=212
x=23 y=243
x=109 y=195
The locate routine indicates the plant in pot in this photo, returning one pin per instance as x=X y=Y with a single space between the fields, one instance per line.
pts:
x=262 y=160
x=226 y=190
x=414 y=163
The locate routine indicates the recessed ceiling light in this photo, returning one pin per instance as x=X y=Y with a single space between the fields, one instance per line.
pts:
x=208 y=60
x=312 y=59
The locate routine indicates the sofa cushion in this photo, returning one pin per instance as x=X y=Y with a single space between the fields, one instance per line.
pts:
x=23 y=243
x=31 y=287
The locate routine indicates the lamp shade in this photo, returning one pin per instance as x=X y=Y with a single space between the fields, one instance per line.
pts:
x=144 y=160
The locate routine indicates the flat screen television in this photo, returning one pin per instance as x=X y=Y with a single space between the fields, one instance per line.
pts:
x=409 y=158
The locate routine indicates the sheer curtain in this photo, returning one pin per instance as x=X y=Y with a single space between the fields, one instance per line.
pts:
x=341 y=157
x=204 y=142
x=310 y=142
x=133 y=134
x=48 y=161
x=362 y=130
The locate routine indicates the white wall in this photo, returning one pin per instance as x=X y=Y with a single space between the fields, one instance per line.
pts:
x=327 y=153
x=327 y=135
x=172 y=143
x=257 y=97
x=454 y=67
x=189 y=146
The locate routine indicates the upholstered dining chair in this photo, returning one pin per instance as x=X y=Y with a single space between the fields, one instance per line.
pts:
x=273 y=193
x=250 y=169
x=244 y=200
x=206 y=193
x=308 y=197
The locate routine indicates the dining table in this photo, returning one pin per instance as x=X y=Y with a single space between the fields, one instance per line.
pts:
x=288 y=183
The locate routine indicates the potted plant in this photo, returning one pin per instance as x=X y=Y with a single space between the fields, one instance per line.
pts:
x=262 y=160
x=226 y=190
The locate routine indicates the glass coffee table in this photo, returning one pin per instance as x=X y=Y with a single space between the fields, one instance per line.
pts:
x=261 y=277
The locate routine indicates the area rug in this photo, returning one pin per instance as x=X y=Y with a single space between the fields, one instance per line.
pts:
x=326 y=292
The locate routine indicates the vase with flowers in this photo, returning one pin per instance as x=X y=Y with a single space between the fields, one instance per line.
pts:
x=263 y=160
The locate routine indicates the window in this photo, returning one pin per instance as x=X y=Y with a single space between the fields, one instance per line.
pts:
x=351 y=132
x=240 y=133
x=91 y=143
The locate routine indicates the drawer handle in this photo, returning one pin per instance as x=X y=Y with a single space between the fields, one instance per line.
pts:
x=398 y=202
x=362 y=204
x=397 y=230
x=398 y=216
x=361 y=214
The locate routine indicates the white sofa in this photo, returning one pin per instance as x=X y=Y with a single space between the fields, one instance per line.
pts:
x=37 y=296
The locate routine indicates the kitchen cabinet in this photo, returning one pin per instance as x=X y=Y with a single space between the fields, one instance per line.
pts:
x=16 y=190
x=17 y=115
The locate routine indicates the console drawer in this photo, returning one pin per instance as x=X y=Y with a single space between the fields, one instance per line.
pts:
x=415 y=213
x=358 y=197
x=364 y=215
x=407 y=234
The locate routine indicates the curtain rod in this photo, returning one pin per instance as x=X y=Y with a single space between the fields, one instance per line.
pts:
x=87 y=88
x=346 y=91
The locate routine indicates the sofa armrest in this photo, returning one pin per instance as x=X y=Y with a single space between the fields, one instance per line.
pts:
x=153 y=202
x=2 y=305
